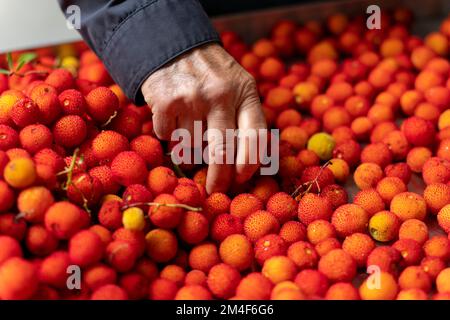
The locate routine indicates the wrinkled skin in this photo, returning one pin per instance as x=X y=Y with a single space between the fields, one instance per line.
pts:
x=207 y=84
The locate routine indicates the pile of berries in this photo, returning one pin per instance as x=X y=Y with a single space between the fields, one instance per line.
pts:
x=85 y=184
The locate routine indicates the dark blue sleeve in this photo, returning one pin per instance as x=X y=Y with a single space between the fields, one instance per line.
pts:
x=136 y=37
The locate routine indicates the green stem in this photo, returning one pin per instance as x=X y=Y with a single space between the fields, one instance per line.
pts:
x=70 y=169
x=156 y=204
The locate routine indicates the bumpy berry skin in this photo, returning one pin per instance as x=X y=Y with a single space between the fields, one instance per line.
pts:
x=313 y=207
x=129 y=168
x=410 y=250
x=121 y=255
x=34 y=202
x=110 y=214
x=386 y=291
x=254 y=286
x=279 y=269
x=101 y=104
x=350 y=151
x=72 y=102
x=414 y=277
x=108 y=144
x=418 y=131
x=203 y=256
x=25 y=112
x=245 y=204
x=367 y=175
x=324 y=177
x=237 y=251
x=378 y=153
x=342 y=291
x=409 y=205
x=370 y=200
x=140 y=231
x=85 y=248
x=269 y=246
x=312 y=282
x=188 y=193
x=136 y=193
x=106 y=178
x=109 y=292
x=18 y=279
x=437 y=195
x=149 y=149
x=224 y=225
x=442 y=283
x=260 y=223
x=53 y=269
x=161 y=180
x=64 y=219
x=70 y=131
x=223 y=280
x=282 y=206
x=436 y=170
x=349 y=218
x=10 y=137
x=60 y=79
x=193 y=227
x=85 y=189
x=35 y=137
x=164 y=216
x=303 y=254
x=158 y=252
x=338 y=265
x=10 y=248
x=7 y=196
x=443 y=218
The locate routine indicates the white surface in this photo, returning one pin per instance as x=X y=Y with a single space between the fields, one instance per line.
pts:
x=32 y=23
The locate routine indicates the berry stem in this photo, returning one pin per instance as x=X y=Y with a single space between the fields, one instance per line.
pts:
x=178 y=170
x=308 y=185
x=69 y=172
x=110 y=119
x=70 y=169
x=156 y=204
x=20 y=215
x=15 y=73
x=176 y=167
x=85 y=200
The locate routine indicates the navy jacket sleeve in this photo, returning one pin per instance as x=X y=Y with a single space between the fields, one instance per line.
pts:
x=136 y=37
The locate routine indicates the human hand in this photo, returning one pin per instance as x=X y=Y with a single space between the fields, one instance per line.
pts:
x=207 y=84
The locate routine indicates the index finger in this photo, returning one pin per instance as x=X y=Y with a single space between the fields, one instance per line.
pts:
x=220 y=149
x=251 y=121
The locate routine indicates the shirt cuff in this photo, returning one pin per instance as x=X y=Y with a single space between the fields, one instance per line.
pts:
x=151 y=36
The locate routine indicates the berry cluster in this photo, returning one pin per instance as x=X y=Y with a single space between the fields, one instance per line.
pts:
x=84 y=181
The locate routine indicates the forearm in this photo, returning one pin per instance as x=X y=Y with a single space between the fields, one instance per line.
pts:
x=135 y=38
